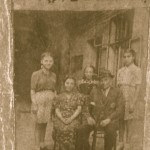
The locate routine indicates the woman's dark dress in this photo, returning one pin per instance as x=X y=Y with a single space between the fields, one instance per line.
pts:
x=85 y=87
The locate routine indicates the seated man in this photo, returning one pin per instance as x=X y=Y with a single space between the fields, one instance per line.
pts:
x=108 y=104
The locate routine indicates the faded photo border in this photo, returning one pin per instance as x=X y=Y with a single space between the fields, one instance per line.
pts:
x=7 y=111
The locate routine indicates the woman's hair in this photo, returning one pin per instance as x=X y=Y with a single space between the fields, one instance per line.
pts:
x=46 y=54
x=69 y=77
x=132 y=52
x=94 y=71
x=64 y=80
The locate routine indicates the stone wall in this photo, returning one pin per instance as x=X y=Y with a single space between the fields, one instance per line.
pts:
x=7 y=116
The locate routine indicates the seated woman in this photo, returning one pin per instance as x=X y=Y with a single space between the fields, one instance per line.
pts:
x=67 y=109
x=85 y=85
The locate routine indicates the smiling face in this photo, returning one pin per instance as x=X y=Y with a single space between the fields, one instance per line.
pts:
x=128 y=59
x=47 y=62
x=69 y=84
x=106 y=82
x=89 y=73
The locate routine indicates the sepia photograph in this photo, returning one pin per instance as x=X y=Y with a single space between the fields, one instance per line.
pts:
x=80 y=79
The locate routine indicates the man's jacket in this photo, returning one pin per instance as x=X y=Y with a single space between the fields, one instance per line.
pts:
x=110 y=106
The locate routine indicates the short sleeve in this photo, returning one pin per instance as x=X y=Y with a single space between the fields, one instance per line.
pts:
x=34 y=80
x=138 y=76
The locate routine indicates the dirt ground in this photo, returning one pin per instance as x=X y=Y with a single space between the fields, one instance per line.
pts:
x=25 y=131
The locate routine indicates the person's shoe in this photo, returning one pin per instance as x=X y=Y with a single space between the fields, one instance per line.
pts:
x=120 y=146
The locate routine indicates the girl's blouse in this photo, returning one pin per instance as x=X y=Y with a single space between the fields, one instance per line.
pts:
x=130 y=76
x=41 y=81
x=85 y=86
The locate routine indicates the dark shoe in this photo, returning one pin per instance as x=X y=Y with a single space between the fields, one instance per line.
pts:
x=44 y=148
x=120 y=146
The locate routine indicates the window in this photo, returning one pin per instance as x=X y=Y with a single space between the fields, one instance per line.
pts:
x=115 y=39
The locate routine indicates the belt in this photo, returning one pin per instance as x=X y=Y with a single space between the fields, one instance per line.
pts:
x=46 y=90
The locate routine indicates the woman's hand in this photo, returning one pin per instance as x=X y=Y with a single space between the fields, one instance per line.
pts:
x=68 y=121
x=59 y=115
x=76 y=113
x=91 y=121
x=63 y=120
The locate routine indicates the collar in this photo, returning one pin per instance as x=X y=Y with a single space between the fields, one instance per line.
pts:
x=106 y=91
x=130 y=66
x=44 y=72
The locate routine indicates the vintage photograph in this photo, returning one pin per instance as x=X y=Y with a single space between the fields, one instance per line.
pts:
x=80 y=79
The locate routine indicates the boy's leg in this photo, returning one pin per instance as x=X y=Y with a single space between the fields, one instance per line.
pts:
x=129 y=132
x=121 y=134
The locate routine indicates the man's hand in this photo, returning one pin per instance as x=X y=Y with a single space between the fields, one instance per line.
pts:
x=105 y=122
x=91 y=121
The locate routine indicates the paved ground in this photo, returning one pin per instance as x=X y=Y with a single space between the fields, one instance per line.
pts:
x=25 y=131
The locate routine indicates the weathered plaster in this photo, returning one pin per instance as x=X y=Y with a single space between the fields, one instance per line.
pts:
x=7 y=123
x=146 y=140
x=80 y=5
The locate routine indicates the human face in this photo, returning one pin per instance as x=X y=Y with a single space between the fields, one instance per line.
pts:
x=47 y=62
x=128 y=59
x=89 y=73
x=69 y=85
x=106 y=82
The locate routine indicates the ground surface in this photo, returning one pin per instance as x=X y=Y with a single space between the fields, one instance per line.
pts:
x=25 y=131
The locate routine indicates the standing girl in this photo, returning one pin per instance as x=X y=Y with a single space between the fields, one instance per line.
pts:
x=67 y=110
x=43 y=84
x=85 y=85
x=129 y=80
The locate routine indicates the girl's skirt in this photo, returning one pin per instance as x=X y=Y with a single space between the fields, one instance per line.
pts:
x=43 y=106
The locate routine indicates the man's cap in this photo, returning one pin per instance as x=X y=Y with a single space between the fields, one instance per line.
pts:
x=105 y=73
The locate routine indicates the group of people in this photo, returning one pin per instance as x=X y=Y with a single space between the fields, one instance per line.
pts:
x=85 y=105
